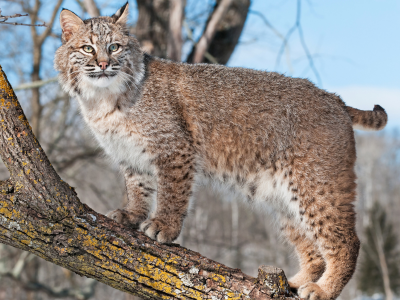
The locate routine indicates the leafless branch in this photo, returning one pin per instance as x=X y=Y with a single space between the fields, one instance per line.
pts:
x=91 y=7
x=190 y=36
x=47 y=31
x=3 y=20
x=81 y=293
x=174 y=45
x=99 y=194
x=35 y=84
x=84 y=292
x=209 y=32
x=297 y=25
x=285 y=43
x=379 y=244
x=86 y=154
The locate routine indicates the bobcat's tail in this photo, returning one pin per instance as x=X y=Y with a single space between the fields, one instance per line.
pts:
x=368 y=119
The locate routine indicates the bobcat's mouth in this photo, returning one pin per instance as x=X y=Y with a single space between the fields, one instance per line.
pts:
x=102 y=79
x=100 y=75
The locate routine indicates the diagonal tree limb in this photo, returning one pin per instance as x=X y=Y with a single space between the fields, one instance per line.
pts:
x=210 y=30
x=42 y=214
x=49 y=28
x=91 y=8
x=227 y=33
x=297 y=25
x=35 y=84
x=3 y=20
x=285 y=43
x=175 y=42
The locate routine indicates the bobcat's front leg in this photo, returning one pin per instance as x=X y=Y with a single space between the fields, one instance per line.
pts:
x=140 y=189
x=175 y=173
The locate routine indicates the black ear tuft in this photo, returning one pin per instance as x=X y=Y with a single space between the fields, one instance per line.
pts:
x=121 y=16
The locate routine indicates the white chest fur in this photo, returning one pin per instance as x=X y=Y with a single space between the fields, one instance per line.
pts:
x=117 y=135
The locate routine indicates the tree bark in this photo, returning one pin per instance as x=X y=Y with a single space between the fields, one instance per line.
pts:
x=42 y=214
x=91 y=8
x=211 y=28
x=379 y=244
x=175 y=42
x=152 y=26
x=222 y=32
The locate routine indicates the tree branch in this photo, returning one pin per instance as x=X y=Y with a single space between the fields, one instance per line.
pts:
x=297 y=25
x=91 y=8
x=210 y=30
x=82 y=293
x=227 y=33
x=3 y=20
x=285 y=44
x=47 y=31
x=190 y=36
x=35 y=84
x=42 y=214
x=174 y=43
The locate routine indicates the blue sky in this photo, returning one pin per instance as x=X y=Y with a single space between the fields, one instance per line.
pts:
x=355 y=46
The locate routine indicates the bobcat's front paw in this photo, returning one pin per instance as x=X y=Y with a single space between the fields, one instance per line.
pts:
x=126 y=218
x=312 y=291
x=301 y=278
x=116 y=215
x=160 y=230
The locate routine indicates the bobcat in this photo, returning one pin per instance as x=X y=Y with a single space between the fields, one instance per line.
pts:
x=273 y=138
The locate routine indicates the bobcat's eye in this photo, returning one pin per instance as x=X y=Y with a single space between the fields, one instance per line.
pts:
x=88 y=49
x=113 y=47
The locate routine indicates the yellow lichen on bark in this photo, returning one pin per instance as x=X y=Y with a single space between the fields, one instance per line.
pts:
x=42 y=214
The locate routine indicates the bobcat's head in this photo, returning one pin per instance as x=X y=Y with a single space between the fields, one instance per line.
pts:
x=97 y=55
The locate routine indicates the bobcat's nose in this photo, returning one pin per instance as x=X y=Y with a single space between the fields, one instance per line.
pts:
x=103 y=65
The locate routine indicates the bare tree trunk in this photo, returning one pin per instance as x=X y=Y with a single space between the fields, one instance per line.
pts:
x=42 y=214
x=91 y=8
x=382 y=260
x=159 y=26
x=226 y=34
x=210 y=31
x=152 y=26
x=237 y=253
x=174 y=47
x=228 y=31
x=37 y=57
x=38 y=40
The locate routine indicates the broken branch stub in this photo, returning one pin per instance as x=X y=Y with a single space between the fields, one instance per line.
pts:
x=42 y=214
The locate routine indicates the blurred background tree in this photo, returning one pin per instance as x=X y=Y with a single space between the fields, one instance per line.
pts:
x=220 y=225
x=380 y=261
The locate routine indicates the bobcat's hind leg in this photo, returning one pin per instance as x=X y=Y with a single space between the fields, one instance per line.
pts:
x=312 y=264
x=140 y=190
x=333 y=230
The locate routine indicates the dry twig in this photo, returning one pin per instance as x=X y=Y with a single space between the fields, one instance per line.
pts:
x=3 y=20
x=297 y=25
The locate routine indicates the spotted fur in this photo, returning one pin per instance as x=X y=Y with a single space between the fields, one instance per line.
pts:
x=274 y=139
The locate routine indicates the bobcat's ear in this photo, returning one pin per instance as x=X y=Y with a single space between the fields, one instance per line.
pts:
x=70 y=23
x=121 y=16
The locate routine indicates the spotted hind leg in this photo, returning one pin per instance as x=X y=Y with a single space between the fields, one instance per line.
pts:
x=312 y=264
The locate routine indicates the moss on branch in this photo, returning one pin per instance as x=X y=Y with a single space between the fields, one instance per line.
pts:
x=42 y=214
